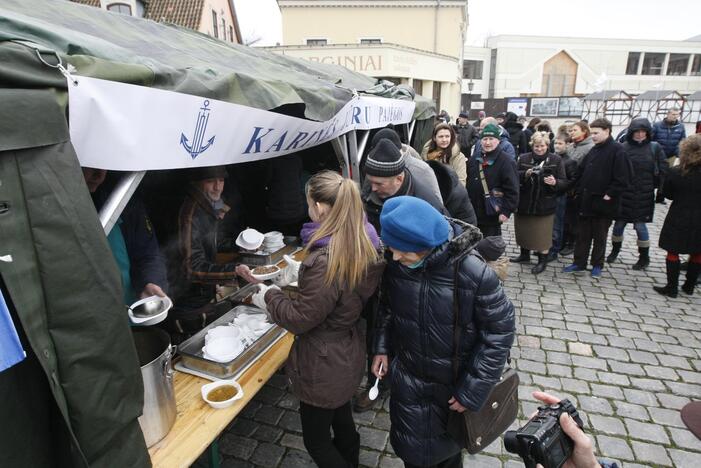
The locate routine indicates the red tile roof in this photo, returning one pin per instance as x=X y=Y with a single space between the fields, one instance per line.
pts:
x=187 y=13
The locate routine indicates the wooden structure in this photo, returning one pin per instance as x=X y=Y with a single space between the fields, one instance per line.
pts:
x=691 y=112
x=653 y=105
x=615 y=105
x=197 y=424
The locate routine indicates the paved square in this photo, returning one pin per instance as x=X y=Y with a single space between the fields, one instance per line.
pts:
x=628 y=357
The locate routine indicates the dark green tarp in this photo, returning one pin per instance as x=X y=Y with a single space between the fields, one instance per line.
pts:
x=121 y=48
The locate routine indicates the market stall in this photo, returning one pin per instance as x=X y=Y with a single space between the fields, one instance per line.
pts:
x=654 y=104
x=142 y=96
x=614 y=105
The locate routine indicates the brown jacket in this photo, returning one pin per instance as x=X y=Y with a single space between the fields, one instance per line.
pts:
x=327 y=359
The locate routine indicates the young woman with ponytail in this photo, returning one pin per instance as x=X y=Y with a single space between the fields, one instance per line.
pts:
x=342 y=269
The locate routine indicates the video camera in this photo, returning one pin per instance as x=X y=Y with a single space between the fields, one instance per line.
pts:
x=542 y=440
x=539 y=169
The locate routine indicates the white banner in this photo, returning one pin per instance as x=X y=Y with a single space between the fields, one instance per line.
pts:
x=125 y=127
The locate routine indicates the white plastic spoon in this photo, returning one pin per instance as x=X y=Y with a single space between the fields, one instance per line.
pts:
x=374 y=391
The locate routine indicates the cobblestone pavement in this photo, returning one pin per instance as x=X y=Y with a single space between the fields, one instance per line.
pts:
x=627 y=357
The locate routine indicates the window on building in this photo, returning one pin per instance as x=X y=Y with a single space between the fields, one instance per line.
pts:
x=696 y=66
x=437 y=94
x=472 y=69
x=317 y=42
x=121 y=8
x=231 y=33
x=371 y=41
x=418 y=87
x=677 y=64
x=633 y=62
x=653 y=63
x=223 y=27
x=215 y=25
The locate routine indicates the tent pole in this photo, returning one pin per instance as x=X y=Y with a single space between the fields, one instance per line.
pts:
x=361 y=146
x=118 y=199
x=411 y=131
x=340 y=147
x=354 y=154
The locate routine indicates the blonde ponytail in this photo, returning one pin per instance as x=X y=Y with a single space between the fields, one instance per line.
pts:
x=351 y=251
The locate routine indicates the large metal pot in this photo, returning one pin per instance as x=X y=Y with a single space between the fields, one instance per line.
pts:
x=155 y=354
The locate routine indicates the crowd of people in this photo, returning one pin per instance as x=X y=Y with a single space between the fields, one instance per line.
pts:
x=413 y=251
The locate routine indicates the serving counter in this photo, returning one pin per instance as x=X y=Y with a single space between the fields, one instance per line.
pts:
x=198 y=425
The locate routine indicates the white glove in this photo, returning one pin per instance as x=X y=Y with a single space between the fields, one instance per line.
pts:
x=258 y=298
x=289 y=274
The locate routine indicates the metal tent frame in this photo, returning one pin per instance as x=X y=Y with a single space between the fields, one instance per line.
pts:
x=691 y=112
x=615 y=105
x=653 y=105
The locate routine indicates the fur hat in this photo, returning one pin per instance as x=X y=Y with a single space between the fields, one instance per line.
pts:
x=211 y=172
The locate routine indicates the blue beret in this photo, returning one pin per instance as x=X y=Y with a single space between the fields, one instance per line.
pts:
x=410 y=224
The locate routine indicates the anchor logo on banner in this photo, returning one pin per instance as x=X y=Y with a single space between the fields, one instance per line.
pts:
x=195 y=148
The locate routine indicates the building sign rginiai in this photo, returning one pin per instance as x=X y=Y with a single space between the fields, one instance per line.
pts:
x=359 y=63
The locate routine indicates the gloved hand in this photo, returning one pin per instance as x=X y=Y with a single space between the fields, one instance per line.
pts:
x=289 y=274
x=258 y=298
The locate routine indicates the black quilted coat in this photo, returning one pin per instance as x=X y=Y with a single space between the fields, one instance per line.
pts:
x=415 y=326
x=647 y=159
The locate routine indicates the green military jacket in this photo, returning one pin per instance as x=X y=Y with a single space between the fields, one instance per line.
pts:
x=64 y=291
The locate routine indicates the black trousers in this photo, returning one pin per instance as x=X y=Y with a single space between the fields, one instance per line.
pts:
x=341 y=451
x=453 y=462
x=591 y=229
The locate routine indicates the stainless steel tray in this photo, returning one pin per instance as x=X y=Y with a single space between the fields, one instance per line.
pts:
x=256 y=259
x=191 y=349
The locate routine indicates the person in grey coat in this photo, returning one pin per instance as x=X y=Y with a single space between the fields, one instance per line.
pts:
x=581 y=140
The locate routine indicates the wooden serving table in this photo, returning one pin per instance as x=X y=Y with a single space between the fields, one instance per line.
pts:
x=197 y=425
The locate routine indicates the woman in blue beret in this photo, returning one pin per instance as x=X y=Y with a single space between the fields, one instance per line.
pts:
x=431 y=257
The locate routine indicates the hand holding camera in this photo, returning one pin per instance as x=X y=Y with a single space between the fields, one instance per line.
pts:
x=553 y=437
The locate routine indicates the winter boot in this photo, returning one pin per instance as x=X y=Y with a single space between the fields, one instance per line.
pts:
x=644 y=258
x=525 y=257
x=614 y=252
x=542 y=263
x=692 y=276
x=671 y=289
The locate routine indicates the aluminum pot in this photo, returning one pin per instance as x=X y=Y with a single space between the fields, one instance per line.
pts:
x=155 y=354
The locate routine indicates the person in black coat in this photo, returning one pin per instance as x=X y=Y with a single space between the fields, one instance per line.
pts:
x=501 y=179
x=542 y=177
x=638 y=203
x=681 y=232
x=604 y=174
x=416 y=323
x=563 y=228
x=454 y=194
x=466 y=133
x=517 y=135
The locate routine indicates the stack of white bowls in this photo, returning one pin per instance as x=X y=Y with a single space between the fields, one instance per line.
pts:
x=272 y=241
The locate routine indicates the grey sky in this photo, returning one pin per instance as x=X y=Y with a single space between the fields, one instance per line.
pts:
x=624 y=19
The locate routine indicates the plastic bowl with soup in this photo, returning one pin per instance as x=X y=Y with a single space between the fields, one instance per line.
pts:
x=222 y=393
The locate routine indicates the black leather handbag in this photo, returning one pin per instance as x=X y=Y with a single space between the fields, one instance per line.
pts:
x=476 y=430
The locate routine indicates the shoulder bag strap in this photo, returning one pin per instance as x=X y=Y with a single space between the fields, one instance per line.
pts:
x=485 y=187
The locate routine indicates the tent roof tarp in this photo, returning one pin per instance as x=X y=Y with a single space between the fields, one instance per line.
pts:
x=655 y=95
x=604 y=95
x=117 y=47
x=694 y=97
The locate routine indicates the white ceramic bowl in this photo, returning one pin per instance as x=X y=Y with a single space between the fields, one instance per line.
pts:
x=222 y=349
x=226 y=403
x=163 y=305
x=266 y=276
x=250 y=239
x=223 y=331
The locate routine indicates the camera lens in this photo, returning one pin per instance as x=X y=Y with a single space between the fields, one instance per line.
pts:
x=511 y=442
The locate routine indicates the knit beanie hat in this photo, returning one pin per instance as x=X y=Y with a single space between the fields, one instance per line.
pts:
x=490 y=130
x=386 y=134
x=385 y=160
x=410 y=224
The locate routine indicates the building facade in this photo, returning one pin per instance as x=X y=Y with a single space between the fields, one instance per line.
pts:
x=414 y=42
x=539 y=66
x=216 y=18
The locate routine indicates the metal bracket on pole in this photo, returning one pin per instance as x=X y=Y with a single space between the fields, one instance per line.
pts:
x=118 y=199
x=340 y=147
x=411 y=132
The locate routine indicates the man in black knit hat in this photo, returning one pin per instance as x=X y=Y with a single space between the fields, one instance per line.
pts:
x=387 y=175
